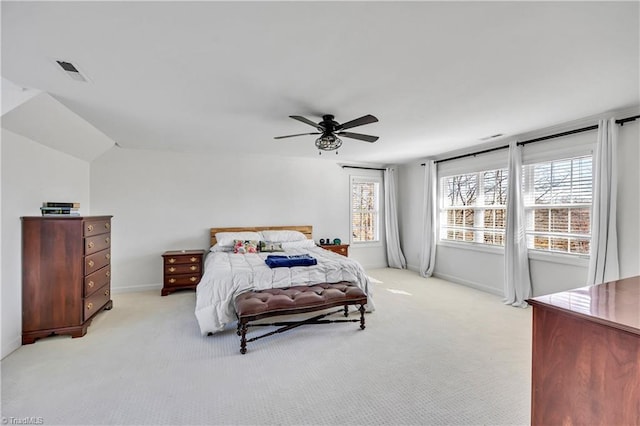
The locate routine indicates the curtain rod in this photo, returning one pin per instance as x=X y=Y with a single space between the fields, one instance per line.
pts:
x=544 y=138
x=363 y=168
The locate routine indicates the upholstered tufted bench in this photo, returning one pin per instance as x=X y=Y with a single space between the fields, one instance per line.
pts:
x=259 y=304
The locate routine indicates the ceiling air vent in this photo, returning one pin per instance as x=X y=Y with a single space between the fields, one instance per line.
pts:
x=71 y=70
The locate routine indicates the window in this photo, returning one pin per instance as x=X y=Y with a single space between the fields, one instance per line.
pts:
x=473 y=207
x=558 y=196
x=365 y=200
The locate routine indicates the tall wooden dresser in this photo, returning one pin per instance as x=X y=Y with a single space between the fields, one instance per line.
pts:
x=66 y=274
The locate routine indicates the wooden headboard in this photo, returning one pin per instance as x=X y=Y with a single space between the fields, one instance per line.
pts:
x=307 y=230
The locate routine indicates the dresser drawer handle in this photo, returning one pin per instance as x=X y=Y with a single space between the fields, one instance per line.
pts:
x=107 y=240
x=89 y=228
x=91 y=264
x=106 y=292
x=193 y=268
x=193 y=279
x=172 y=269
x=172 y=260
x=193 y=259
x=172 y=280
x=89 y=305
x=107 y=274
x=107 y=256
x=107 y=225
x=90 y=245
x=90 y=284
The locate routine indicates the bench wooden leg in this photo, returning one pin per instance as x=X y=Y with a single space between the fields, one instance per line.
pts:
x=243 y=338
x=346 y=310
x=361 y=317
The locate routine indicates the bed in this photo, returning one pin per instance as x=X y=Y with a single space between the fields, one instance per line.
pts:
x=228 y=274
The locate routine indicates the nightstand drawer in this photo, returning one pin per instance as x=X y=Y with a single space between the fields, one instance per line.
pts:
x=182 y=268
x=181 y=280
x=179 y=259
x=97 y=227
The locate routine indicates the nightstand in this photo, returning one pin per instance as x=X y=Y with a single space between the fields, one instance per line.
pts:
x=342 y=249
x=182 y=270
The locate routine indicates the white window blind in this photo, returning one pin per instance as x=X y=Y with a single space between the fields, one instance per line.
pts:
x=558 y=196
x=365 y=215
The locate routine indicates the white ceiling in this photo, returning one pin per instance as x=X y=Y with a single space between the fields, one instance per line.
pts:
x=223 y=77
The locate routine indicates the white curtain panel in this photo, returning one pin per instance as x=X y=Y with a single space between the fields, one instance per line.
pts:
x=429 y=231
x=603 y=262
x=395 y=258
x=517 y=280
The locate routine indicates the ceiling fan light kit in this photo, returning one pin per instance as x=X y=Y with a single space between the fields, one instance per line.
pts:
x=329 y=129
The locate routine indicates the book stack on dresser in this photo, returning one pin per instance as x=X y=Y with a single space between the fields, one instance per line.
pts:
x=58 y=208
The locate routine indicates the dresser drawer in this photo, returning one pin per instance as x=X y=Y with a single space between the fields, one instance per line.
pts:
x=181 y=280
x=94 y=281
x=96 y=227
x=96 y=301
x=96 y=243
x=182 y=268
x=96 y=261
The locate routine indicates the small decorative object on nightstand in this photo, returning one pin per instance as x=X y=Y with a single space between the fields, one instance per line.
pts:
x=182 y=269
x=342 y=249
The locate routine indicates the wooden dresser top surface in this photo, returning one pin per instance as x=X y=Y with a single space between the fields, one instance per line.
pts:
x=616 y=303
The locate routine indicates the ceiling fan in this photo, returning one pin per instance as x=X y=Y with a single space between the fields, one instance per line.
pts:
x=329 y=129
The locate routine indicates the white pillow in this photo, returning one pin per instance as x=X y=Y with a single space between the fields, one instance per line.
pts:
x=217 y=248
x=298 y=244
x=226 y=238
x=282 y=236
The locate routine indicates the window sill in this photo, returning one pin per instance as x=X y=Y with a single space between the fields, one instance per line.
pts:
x=554 y=257
x=537 y=255
x=365 y=244
x=473 y=246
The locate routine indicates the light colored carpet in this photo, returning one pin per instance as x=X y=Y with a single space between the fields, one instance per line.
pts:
x=434 y=353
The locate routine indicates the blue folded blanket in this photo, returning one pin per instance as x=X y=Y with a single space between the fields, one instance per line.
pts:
x=280 y=261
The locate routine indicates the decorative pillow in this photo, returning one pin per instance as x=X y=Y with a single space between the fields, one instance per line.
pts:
x=270 y=246
x=298 y=244
x=283 y=235
x=246 y=246
x=227 y=238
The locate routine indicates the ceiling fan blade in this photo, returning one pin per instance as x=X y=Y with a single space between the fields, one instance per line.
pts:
x=366 y=119
x=359 y=136
x=291 y=136
x=307 y=121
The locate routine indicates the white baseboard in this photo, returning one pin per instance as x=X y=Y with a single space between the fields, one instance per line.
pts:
x=11 y=346
x=467 y=283
x=132 y=288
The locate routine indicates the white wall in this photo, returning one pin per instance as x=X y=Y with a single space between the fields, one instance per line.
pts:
x=31 y=173
x=483 y=268
x=167 y=200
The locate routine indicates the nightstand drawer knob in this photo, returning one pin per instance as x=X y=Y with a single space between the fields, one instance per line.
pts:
x=91 y=284
x=193 y=268
x=172 y=260
x=172 y=269
x=193 y=279
x=107 y=256
x=89 y=228
x=89 y=305
x=193 y=259
x=90 y=245
x=91 y=264
x=107 y=240
x=172 y=280
x=107 y=274
x=107 y=225
x=106 y=292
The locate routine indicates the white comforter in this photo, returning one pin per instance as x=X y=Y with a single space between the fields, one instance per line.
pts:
x=226 y=275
